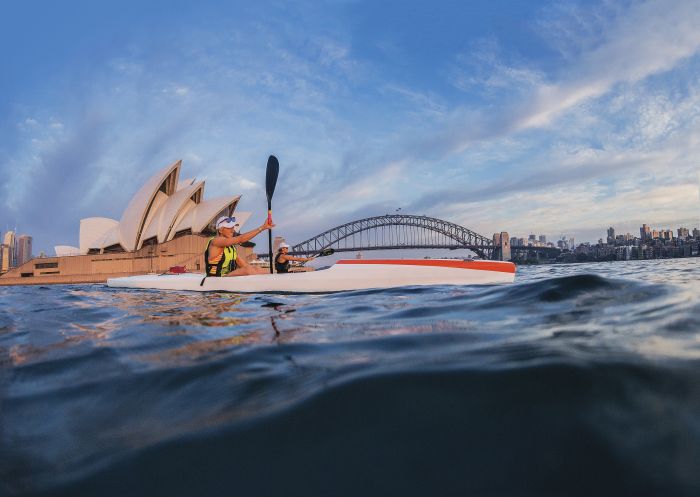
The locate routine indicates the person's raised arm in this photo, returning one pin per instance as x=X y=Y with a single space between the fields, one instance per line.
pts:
x=221 y=241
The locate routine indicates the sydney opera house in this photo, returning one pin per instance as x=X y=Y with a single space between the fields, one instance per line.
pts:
x=167 y=223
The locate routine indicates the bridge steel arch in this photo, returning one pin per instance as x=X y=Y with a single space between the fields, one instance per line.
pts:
x=460 y=236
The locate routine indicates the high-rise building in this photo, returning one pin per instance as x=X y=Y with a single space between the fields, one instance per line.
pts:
x=611 y=235
x=683 y=233
x=8 y=259
x=543 y=239
x=279 y=240
x=24 y=249
x=645 y=232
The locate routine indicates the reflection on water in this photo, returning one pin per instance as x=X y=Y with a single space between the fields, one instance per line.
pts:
x=184 y=309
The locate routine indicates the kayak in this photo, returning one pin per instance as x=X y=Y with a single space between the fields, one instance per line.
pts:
x=350 y=274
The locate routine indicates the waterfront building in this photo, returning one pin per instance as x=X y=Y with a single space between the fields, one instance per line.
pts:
x=624 y=253
x=166 y=223
x=645 y=232
x=24 y=249
x=683 y=232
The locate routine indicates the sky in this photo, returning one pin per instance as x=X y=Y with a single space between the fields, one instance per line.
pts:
x=545 y=117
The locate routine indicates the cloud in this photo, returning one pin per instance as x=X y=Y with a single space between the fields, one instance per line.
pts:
x=644 y=40
x=618 y=101
x=257 y=91
x=649 y=38
x=483 y=70
x=570 y=210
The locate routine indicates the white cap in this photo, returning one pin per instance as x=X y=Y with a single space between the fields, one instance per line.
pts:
x=283 y=245
x=226 y=222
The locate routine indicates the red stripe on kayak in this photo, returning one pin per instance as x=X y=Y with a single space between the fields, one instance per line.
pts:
x=503 y=267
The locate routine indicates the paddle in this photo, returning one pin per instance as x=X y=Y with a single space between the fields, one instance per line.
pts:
x=273 y=169
x=322 y=253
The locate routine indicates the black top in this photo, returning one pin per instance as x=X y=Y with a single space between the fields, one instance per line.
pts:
x=281 y=267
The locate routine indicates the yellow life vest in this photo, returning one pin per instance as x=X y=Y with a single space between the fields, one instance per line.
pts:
x=223 y=264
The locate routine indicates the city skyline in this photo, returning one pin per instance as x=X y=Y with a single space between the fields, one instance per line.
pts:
x=538 y=239
x=15 y=249
x=561 y=117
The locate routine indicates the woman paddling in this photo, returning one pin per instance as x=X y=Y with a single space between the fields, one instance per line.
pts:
x=282 y=259
x=220 y=255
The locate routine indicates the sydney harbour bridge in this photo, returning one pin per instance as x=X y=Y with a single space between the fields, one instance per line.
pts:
x=405 y=231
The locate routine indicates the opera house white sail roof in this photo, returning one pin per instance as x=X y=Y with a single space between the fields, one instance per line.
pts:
x=163 y=208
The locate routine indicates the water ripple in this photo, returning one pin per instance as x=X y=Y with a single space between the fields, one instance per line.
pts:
x=523 y=389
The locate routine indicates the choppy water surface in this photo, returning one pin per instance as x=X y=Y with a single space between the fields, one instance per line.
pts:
x=576 y=380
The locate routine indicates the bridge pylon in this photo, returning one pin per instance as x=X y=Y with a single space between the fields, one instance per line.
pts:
x=501 y=244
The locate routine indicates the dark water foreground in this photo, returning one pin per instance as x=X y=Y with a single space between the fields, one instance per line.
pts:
x=579 y=380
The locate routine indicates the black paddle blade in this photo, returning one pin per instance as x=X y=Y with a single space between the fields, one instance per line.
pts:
x=273 y=170
x=325 y=252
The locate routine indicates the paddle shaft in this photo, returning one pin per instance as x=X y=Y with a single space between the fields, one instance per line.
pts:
x=269 y=235
x=273 y=169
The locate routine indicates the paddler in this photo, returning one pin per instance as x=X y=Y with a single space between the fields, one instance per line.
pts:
x=282 y=259
x=220 y=255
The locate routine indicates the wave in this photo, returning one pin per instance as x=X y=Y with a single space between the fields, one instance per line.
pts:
x=575 y=380
x=555 y=429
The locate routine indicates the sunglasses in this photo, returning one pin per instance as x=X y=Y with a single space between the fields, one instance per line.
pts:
x=226 y=220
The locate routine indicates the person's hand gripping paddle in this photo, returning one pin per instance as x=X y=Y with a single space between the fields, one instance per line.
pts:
x=323 y=253
x=273 y=169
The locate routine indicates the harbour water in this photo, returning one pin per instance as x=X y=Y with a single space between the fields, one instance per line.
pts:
x=577 y=380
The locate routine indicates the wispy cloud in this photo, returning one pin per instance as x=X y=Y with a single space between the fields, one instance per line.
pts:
x=607 y=115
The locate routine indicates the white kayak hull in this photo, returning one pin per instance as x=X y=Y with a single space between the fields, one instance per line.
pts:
x=353 y=274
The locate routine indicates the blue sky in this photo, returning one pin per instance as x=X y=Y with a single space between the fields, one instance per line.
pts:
x=543 y=117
